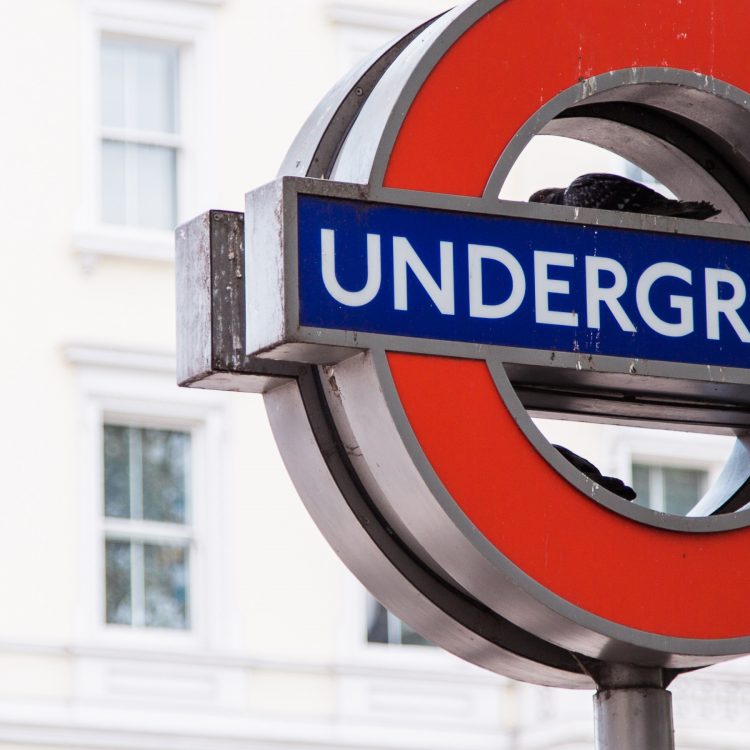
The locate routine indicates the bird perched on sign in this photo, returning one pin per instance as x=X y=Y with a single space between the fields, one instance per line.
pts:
x=615 y=193
x=613 y=484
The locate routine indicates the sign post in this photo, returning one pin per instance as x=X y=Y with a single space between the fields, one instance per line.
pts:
x=632 y=713
x=400 y=320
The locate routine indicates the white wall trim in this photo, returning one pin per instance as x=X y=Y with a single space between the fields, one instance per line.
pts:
x=392 y=669
x=373 y=18
x=58 y=725
x=91 y=356
x=107 y=242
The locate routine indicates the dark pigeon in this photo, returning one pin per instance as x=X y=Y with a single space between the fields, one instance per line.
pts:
x=615 y=193
x=613 y=484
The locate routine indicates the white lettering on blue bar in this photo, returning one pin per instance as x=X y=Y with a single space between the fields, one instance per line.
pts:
x=443 y=294
x=478 y=308
x=728 y=307
x=446 y=275
x=328 y=263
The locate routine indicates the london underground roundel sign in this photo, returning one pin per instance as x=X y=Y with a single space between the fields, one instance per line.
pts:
x=424 y=315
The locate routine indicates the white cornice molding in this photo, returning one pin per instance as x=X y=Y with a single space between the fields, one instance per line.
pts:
x=172 y=13
x=456 y=673
x=83 y=355
x=95 y=727
x=372 y=17
x=128 y=244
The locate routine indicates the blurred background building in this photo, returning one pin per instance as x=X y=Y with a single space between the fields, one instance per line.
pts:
x=161 y=585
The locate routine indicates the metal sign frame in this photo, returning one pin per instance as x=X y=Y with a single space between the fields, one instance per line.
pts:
x=354 y=428
x=275 y=328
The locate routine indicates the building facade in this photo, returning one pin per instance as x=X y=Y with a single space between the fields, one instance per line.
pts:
x=162 y=585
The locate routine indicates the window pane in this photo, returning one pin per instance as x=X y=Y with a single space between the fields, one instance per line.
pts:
x=410 y=637
x=139 y=185
x=146 y=479
x=114 y=183
x=114 y=57
x=139 y=85
x=682 y=488
x=677 y=490
x=139 y=93
x=155 y=69
x=384 y=627
x=154 y=191
x=377 y=622
x=166 y=574
x=116 y=472
x=117 y=561
x=641 y=485
x=165 y=475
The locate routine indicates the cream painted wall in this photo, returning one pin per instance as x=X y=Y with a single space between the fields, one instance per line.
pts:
x=39 y=154
x=289 y=581
x=278 y=60
x=24 y=676
x=273 y=62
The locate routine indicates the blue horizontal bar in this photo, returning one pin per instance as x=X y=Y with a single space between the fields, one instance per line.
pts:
x=539 y=284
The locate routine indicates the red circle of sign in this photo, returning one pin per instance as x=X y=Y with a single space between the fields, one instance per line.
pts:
x=672 y=583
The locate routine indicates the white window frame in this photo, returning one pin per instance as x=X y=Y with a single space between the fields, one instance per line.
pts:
x=189 y=25
x=130 y=136
x=138 y=389
x=393 y=627
x=355 y=650
x=408 y=685
x=656 y=481
x=666 y=448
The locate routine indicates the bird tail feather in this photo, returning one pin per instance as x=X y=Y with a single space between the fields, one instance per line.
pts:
x=686 y=210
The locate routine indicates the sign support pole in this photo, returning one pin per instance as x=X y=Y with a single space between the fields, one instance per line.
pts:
x=633 y=710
